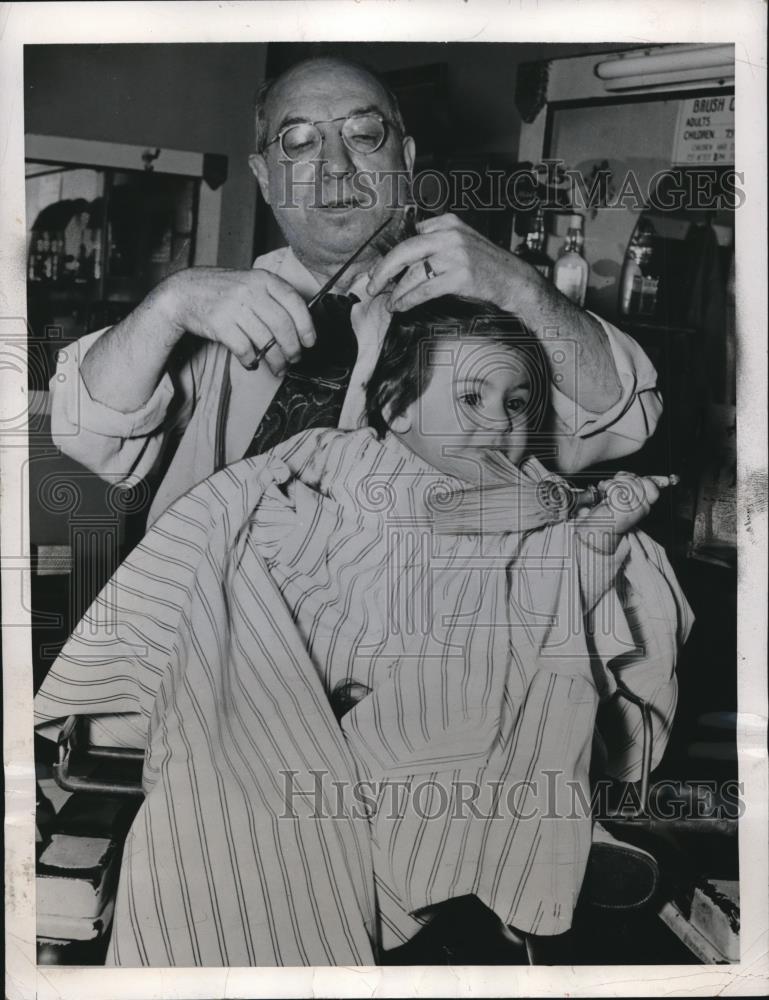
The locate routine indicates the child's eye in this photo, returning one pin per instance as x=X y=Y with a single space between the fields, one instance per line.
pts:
x=470 y=399
x=515 y=405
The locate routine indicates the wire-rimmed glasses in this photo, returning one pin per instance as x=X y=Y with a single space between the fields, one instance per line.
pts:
x=362 y=133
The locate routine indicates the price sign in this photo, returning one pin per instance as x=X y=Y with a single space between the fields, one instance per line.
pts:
x=705 y=131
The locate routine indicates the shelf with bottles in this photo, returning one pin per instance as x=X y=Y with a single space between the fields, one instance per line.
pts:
x=569 y=272
x=98 y=240
x=673 y=276
x=532 y=246
x=119 y=225
x=675 y=270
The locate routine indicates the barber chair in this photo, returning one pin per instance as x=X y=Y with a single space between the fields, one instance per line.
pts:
x=670 y=856
x=80 y=849
x=80 y=844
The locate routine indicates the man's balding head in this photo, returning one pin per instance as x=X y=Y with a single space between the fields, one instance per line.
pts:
x=323 y=64
x=329 y=205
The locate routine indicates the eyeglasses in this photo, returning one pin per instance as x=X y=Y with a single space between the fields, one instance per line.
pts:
x=361 y=133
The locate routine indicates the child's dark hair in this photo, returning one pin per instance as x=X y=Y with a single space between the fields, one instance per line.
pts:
x=402 y=373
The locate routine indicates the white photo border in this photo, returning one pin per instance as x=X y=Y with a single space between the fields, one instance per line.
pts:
x=742 y=22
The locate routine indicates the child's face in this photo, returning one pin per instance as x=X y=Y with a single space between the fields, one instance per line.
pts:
x=477 y=403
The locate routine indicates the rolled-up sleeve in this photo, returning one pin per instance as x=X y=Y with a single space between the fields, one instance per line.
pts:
x=584 y=438
x=110 y=443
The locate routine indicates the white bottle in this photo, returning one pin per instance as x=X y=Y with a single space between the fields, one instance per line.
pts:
x=571 y=270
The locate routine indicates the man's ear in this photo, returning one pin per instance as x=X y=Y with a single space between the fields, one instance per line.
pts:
x=259 y=169
x=409 y=152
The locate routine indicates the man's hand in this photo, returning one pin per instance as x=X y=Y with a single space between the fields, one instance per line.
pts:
x=628 y=500
x=244 y=310
x=465 y=263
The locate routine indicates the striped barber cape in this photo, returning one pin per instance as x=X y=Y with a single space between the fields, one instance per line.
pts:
x=271 y=834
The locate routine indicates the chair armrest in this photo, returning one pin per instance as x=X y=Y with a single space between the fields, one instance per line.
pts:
x=77 y=758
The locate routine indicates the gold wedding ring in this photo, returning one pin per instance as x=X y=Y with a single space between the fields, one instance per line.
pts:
x=428 y=268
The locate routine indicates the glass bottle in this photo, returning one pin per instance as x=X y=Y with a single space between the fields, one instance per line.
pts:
x=35 y=251
x=57 y=250
x=47 y=258
x=532 y=248
x=639 y=281
x=571 y=270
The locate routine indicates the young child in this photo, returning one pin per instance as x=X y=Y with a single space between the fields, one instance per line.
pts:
x=465 y=388
x=466 y=670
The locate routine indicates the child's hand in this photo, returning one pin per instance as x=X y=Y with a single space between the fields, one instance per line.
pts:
x=628 y=499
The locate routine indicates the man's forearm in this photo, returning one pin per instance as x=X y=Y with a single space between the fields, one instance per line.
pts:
x=554 y=319
x=123 y=367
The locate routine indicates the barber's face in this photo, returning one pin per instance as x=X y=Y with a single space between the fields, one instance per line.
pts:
x=328 y=206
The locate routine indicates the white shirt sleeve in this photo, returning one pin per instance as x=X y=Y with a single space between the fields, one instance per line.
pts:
x=657 y=621
x=585 y=438
x=110 y=443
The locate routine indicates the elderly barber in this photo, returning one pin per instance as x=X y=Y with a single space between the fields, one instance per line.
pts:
x=143 y=400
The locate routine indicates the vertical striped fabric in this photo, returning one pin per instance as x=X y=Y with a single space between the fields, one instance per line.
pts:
x=270 y=834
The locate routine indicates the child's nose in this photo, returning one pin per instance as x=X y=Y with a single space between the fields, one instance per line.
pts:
x=494 y=419
x=501 y=415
